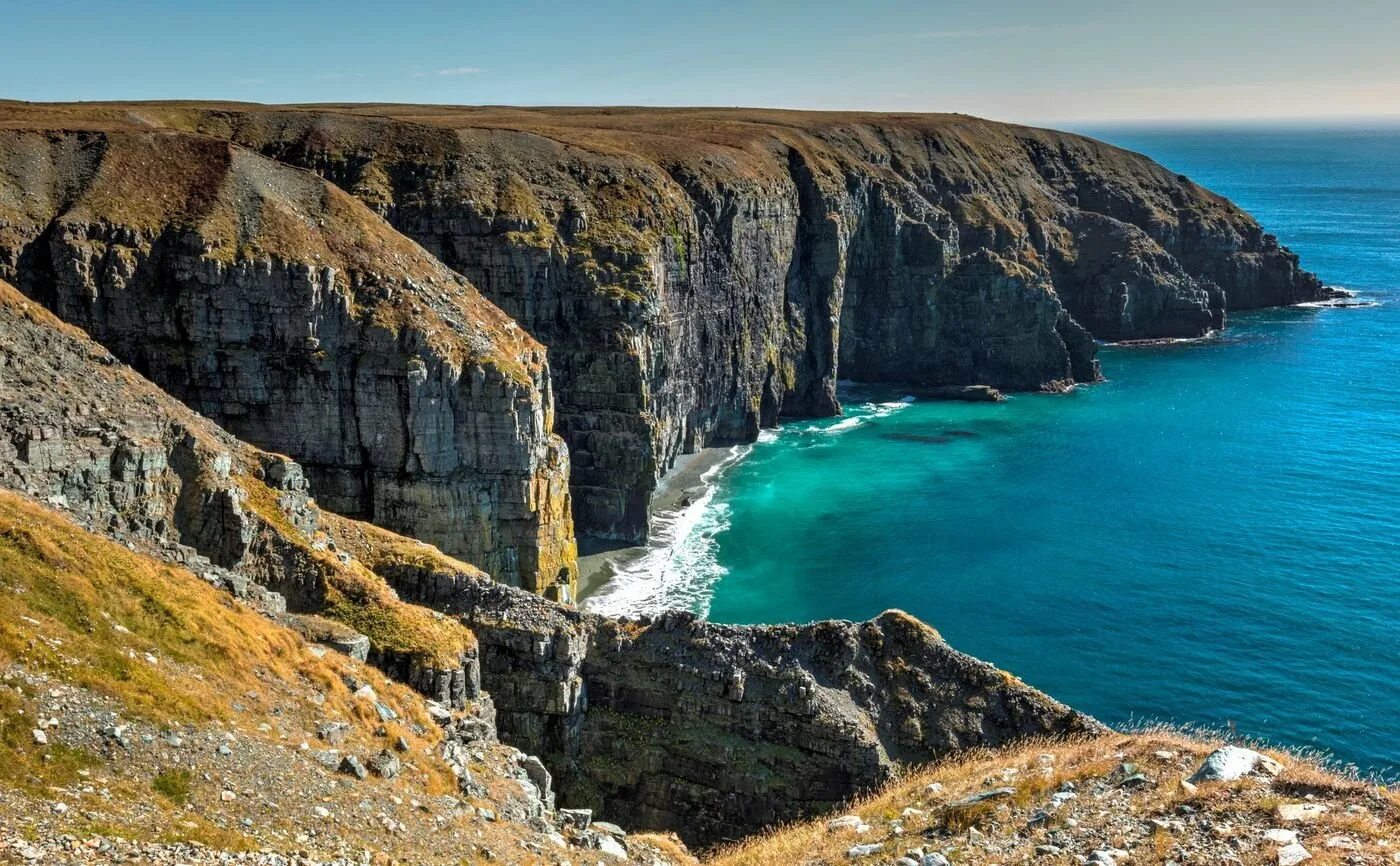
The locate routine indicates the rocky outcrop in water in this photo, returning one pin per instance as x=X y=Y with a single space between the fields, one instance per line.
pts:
x=699 y=273
x=719 y=731
x=277 y=305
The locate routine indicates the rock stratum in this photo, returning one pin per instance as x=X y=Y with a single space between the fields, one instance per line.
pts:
x=281 y=307
x=695 y=274
x=711 y=731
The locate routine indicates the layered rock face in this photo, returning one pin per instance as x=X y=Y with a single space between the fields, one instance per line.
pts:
x=699 y=273
x=278 y=305
x=718 y=731
x=677 y=724
x=82 y=432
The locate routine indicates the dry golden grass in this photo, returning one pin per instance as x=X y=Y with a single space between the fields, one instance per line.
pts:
x=88 y=612
x=666 y=844
x=381 y=550
x=360 y=599
x=1246 y=805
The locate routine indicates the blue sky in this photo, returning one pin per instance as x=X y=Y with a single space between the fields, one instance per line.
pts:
x=1029 y=61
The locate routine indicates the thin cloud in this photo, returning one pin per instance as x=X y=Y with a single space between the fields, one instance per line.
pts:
x=975 y=32
x=455 y=70
x=336 y=76
x=1006 y=30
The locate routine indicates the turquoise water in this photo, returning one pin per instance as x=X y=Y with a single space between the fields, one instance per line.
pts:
x=1211 y=536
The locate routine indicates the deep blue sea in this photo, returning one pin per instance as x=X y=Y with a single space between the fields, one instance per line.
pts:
x=1212 y=536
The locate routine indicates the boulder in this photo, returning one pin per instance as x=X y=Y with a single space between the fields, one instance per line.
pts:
x=1233 y=762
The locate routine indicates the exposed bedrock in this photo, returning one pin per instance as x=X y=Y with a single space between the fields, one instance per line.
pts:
x=699 y=273
x=671 y=723
x=279 y=306
x=719 y=731
x=82 y=432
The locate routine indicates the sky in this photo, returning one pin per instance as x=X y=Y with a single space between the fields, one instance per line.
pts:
x=1020 y=60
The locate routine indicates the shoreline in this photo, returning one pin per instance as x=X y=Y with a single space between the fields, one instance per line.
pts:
x=678 y=488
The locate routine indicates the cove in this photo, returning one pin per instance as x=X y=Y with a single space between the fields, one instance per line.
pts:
x=1212 y=536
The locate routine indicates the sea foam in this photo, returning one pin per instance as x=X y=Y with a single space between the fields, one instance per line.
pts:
x=680 y=564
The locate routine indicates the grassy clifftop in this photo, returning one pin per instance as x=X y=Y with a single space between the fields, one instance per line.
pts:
x=148 y=185
x=1103 y=800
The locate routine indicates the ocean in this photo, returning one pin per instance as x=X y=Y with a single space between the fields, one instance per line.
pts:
x=1211 y=537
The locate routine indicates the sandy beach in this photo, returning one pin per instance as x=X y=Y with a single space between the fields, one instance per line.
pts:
x=678 y=488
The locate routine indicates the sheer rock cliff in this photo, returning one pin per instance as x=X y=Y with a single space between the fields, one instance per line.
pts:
x=695 y=273
x=82 y=432
x=279 y=306
x=699 y=273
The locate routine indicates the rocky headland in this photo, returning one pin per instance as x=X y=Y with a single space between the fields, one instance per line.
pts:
x=310 y=401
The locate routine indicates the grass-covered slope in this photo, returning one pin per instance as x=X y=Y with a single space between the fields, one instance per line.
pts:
x=146 y=716
x=1104 y=800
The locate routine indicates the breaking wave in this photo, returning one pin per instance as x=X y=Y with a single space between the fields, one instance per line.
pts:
x=680 y=565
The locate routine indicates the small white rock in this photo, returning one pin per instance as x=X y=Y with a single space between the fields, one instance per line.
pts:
x=853 y=823
x=1292 y=855
x=1299 y=811
x=610 y=846
x=1233 y=762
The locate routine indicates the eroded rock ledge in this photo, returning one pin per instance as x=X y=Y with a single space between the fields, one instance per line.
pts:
x=716 y=731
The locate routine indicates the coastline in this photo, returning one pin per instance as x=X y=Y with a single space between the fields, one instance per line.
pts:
x=678 y=488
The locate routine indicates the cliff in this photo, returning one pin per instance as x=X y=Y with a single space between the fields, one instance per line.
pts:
x=699 y=273
x=371 y=290
x=283 y=309
x=81 y=432
x=671 y=724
